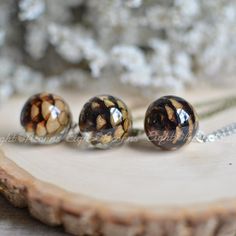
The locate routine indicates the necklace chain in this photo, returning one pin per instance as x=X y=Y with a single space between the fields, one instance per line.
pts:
x=226 y=131
x=220 y=106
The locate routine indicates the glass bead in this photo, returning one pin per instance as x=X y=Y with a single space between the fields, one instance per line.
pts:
x=170 y=122
x=105 y=121
x=46 y=118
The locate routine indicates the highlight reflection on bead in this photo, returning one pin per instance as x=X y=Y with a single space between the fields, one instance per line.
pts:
x=105 y=121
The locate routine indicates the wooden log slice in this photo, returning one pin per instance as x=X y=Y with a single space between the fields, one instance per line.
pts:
x=133 y=190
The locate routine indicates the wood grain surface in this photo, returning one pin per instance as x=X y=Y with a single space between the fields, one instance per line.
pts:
x=133 y=190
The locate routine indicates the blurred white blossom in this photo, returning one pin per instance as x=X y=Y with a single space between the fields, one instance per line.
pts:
x=26 y=77
x=6 y=90
x=2 y=37
x=31 y=9
x=36 y=40
x=128 y=56
x=136 y=72
x=133 y=3
x=76 y=44
x=152 y=44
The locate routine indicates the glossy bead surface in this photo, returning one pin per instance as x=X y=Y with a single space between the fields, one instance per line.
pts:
x=170 y=122
x=105 y=121
x=46 y=118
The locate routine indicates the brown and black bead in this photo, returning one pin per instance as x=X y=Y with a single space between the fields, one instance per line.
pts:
x=46 y=118
x=105 y=121
x=170 y=122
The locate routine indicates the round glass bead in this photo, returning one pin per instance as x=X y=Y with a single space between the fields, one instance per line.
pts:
x=105 y=121
x=170 y=122
x=46 y=118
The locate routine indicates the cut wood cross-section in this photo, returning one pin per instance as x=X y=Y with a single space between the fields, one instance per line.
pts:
x=132 y=190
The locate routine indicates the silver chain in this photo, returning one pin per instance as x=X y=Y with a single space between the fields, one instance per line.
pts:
x=226 y=131
x=222 y=105
x=74 y=131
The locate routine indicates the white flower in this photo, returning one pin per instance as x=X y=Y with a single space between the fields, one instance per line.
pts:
x=36 y=40
x=2 y=37
x=133 y=3
x=31 y=9
x=128 y=56
x=6 y=90
x=75 y=44
x=26 y=77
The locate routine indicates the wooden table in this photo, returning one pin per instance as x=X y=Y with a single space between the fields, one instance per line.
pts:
x=17 y=222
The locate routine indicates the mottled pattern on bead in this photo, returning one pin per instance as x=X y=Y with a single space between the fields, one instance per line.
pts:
x=170 y=122
x=46 y=117
x=105 y=121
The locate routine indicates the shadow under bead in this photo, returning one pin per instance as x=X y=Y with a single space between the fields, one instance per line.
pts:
x=171 y=122
x=105 y=121
x=46 y=118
